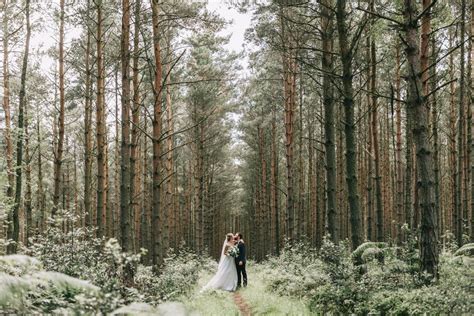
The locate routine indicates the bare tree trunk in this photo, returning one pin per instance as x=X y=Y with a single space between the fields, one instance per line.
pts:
x=375 y=137
x=434 y=130
x=460 y=137
x=125 y=225
x=100 y=129
x=274 y=207
x=289 y=106
x=58 y=155
x=398 y=155
x=28 y=208
x=417 y=109
x=88 y=130
x=134 y=150
x=170 y=225
x=452 y=144
x=471 y=127
x=329 y=119
x=466 y=126
x=12 y=248
x=157 y=220
x=349 y=124
x=7 y=129
x=40 y=197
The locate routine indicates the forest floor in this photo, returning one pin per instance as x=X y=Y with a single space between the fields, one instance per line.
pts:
x=255 y=299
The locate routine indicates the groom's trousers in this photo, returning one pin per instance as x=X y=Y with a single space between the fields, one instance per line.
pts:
x=241 y=274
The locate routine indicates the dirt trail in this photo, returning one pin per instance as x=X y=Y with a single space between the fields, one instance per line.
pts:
x=242 y=305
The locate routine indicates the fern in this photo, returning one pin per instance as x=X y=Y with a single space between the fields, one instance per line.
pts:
x=64 y=283
x=358 y=254
x=466 y=250
x=19 y=264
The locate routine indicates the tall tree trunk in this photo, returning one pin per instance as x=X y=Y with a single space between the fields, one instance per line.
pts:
x=88 y=130
x=134 y=150
x=434 y=131
x=289 y=106
x=274 y=206
x=100 y=129
x=125 y=225
x=460 y=136
x=349 y=124
x=472 y=121
x=418 y=111
x=452 y=143
x=301 y=219
x=462 y=99
x=329 y=119
x=375 y=137
x=157 y=220
x=12 y=248
x=170 y=225
x=40 y=197
x=58 y=154
x=7 y=128
x=28 y=207
x=398 y=155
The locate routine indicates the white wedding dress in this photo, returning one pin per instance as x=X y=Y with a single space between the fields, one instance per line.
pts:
x=226 y=275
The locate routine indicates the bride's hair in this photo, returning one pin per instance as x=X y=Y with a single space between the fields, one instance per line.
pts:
x=229 y=236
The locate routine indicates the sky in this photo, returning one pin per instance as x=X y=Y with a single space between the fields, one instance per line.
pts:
x=239 y=22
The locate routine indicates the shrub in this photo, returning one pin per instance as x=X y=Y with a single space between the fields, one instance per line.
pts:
x=332 y=283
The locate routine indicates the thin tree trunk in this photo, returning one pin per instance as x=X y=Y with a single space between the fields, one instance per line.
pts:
x=125 y=225
x=134 y=150
x=28 y=208
x=460 y=136
x=329 y=119
x=88 y=131
x=7 y=128
x=58 y=155
x=349 y=125
x=273 y=188
x=157 y=220
x=170 y=224
x=375 y=137
x=40 y=197
x=12 y=248
x=100 y=129
x=471 y=127
x=452 y=144
x=289 y=106
x=398 y=155
x=434 y=131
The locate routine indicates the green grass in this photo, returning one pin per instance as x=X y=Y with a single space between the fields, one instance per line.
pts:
x=256 y=295
x=212 y=303
x=264 y=302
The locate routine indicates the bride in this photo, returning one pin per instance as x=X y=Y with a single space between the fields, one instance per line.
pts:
x=226 y=275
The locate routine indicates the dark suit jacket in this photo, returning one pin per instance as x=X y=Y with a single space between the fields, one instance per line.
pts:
x=241 y=256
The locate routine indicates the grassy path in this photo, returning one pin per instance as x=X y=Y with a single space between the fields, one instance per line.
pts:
x=264 y=302
x=252 y=300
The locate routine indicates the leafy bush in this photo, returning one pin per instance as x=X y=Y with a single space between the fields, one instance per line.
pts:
x=332 y=282
x=76 y=255
x=177 y=277
x=34 y=290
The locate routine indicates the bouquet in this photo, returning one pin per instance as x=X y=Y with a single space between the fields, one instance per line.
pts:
x=234 y=251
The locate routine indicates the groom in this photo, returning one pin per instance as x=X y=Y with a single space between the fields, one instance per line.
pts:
x=240 y=261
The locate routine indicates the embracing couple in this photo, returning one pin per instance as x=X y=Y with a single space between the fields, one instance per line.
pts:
x=231 y=269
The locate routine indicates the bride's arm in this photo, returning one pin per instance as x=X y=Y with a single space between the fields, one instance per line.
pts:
x=226 y=249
